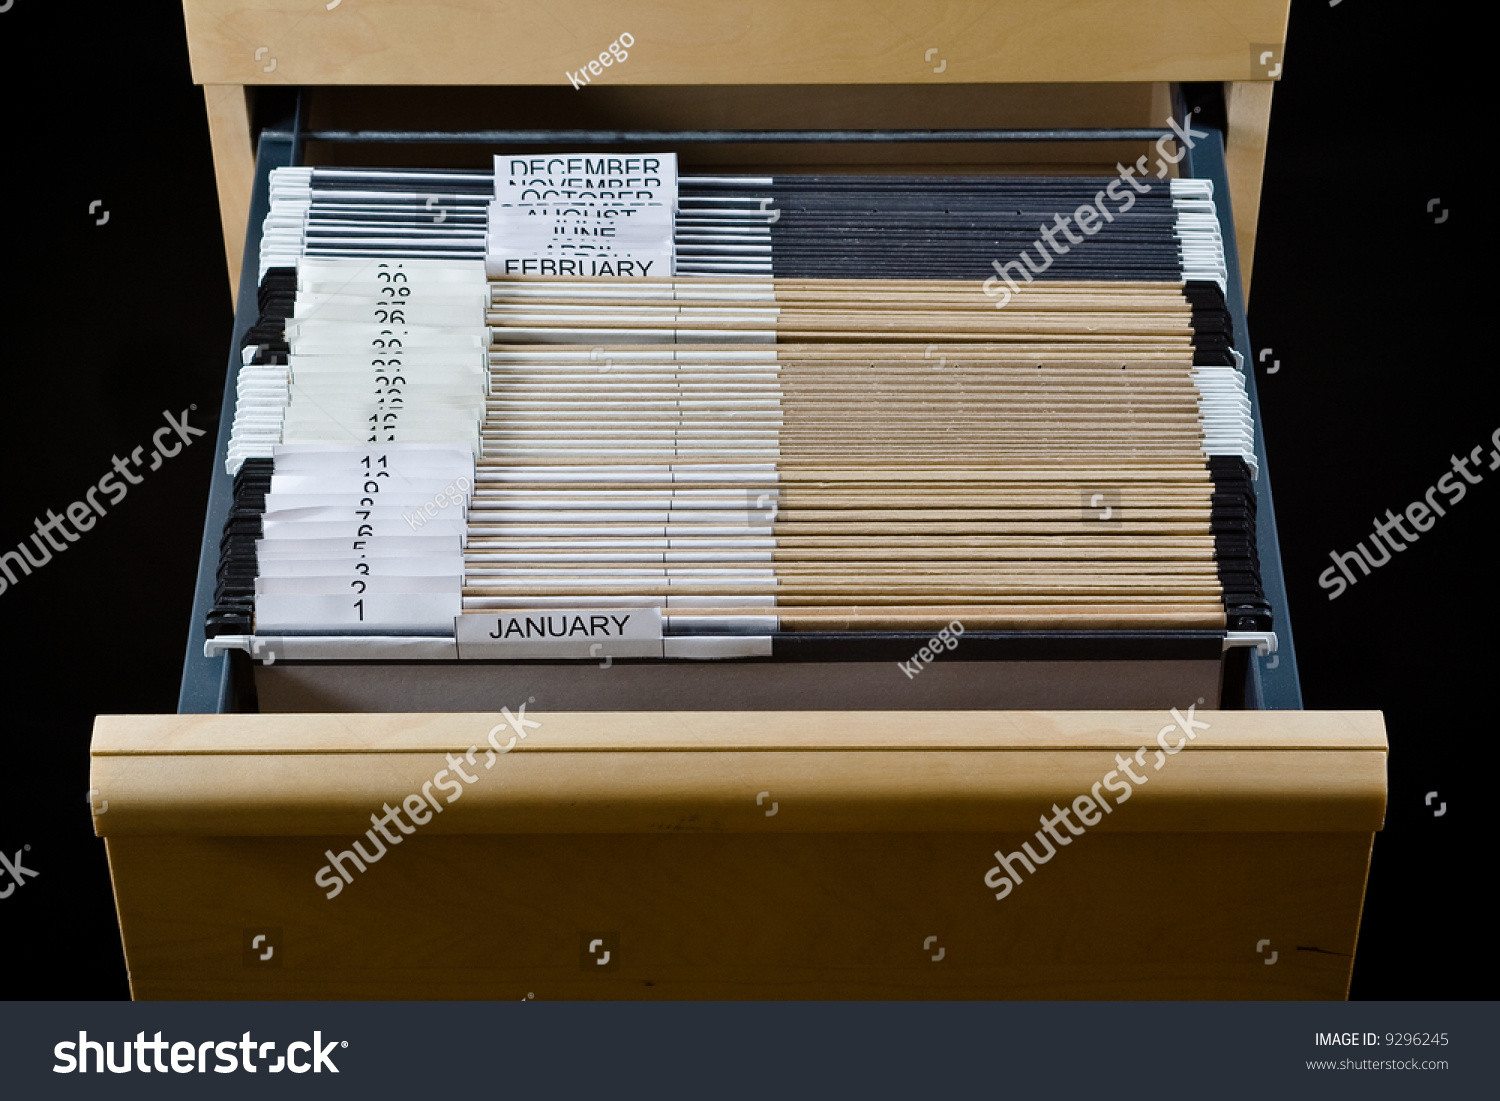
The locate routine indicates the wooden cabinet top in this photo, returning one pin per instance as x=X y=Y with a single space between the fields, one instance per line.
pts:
x=459 y=42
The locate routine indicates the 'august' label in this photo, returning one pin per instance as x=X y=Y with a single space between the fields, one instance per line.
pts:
x=579 y=216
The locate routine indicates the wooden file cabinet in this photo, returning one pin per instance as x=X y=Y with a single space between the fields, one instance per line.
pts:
x=774 y=850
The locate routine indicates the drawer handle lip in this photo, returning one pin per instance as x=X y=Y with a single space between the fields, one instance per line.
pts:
x=602 y=750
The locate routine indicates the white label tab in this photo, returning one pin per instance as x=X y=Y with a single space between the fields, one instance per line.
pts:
x=584 y=633
x=356 y=612
x=583 y=216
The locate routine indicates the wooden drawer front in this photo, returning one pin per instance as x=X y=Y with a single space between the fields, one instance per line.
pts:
x=732 y=855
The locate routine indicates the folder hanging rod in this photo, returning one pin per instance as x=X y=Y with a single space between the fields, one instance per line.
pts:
x=657 y=137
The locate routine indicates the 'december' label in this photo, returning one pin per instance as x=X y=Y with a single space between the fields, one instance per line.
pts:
x=560 y=633
x=584 y=216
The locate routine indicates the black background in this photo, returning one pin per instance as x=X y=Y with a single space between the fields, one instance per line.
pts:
x=1370 y=305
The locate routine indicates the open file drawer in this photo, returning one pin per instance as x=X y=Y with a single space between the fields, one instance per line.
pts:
x=996 y=670
x=754 y=829
x=1064 y=95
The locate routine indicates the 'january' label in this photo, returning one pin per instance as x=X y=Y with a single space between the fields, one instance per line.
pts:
x=597 y=633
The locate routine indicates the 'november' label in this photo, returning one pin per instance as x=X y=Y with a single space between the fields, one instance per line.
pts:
x=574 y=215
x=561 y=633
